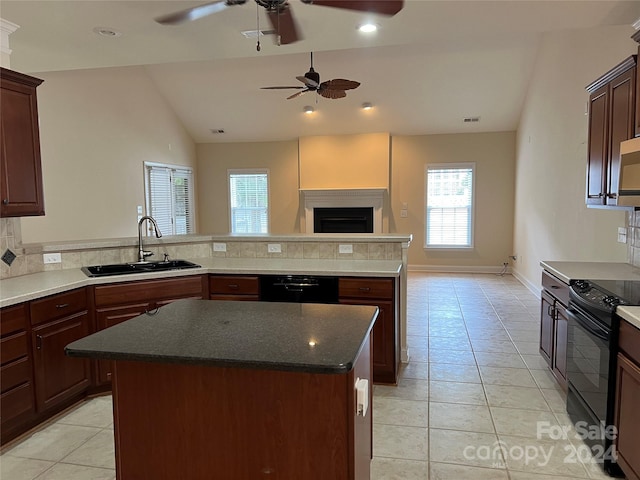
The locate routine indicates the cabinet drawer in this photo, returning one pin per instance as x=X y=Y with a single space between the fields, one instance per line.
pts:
x=235 y=285
x=629 y=341
x=555 y=287
x=355 y=287
x=16 y=402
x=13 y=347
x=15 y=373
x=58 y=306
x=13 y=319
x=147 y=290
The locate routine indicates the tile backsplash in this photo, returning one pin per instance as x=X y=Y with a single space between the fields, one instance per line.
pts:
x=633 y=238
x=29 y=257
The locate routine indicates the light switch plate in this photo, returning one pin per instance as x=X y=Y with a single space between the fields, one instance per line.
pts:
x=219 y=247
x=403 y=213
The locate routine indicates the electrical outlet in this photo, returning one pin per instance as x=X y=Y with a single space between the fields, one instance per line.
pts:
x=219 y=247
x=403 y=213
x=274 y=248
x=347 y=248
x=622 y=235
x=51 y=258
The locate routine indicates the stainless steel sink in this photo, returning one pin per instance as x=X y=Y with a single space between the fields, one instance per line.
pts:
x=137 y=267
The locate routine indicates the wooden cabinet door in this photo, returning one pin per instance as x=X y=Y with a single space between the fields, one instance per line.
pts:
x=21 y=191
x=621 y=128
x=57 y=376
x=546 y=325
x=384 y=335
x=560 y=338
x=627 y=417
x=108 y=317
x=597 y=148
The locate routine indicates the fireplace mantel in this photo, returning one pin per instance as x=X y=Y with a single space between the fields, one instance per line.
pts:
x=344 y=197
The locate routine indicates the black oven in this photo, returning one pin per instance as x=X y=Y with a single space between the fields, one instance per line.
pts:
x=591 y=362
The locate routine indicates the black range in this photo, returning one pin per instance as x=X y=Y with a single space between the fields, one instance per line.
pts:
x=591 y=359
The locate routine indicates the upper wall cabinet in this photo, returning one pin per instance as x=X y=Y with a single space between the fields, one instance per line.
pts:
x=21 y=173
x=611 y=121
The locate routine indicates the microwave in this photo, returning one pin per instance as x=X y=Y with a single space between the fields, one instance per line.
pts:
x=629 y=179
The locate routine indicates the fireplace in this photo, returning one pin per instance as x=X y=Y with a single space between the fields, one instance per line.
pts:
x=344 y=209
x=343 y=220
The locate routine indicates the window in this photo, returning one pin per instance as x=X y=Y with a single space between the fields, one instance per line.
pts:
x=249 y=201
x=449 y=205
x=169 y=197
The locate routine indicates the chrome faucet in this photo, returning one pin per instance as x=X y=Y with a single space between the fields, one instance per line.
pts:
x=142 y=253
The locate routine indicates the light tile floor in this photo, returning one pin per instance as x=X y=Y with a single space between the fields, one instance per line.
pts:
x=469 y=404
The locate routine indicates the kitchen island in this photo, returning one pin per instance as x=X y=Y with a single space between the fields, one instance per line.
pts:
x=240 y=390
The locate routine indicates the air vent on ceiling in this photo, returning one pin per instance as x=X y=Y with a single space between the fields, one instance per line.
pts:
x=471 y=119
x=255 y=33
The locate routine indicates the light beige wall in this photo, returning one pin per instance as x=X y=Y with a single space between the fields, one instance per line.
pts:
x=552 y=221
x=345 y=161
x=97 y=127
x=281 y=158
x=494 y=154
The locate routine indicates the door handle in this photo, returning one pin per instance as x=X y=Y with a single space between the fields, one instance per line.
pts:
x=38 y=342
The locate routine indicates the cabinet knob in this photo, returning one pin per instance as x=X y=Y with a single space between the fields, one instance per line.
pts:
x=5 y=201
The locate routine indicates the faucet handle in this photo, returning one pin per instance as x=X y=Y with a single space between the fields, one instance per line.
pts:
x=166 y=257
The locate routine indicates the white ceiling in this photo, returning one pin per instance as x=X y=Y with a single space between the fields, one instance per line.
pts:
x=427 y=68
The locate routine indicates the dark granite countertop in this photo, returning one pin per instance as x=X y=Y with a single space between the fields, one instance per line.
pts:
x=311 y=338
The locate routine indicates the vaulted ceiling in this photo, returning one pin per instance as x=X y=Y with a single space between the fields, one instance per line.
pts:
x=424 y=71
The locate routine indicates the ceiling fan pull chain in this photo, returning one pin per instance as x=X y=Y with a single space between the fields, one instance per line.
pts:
x=258 y=26
x=278 y=27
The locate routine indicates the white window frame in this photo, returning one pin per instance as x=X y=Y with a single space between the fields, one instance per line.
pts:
x=147 y=166
x=439 y=166
x=249 y=171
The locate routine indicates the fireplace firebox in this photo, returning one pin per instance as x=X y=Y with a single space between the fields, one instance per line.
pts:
x=343 y=220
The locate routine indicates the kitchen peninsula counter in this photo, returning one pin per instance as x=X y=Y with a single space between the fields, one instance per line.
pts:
x=240 y=390
x=36 y=285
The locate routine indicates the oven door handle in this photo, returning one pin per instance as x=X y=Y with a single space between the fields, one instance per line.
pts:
x=588 y=325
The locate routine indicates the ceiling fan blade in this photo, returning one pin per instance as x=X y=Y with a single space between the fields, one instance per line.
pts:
x=297 y=94
x=339 y=84
x=307 y=81
x=195 y=13
x=283 y=23
x=332 y=93
x=383 y=7
x=280 y=88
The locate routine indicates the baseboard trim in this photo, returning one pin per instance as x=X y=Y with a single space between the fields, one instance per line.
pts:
x=535 y=289
x=457 y=269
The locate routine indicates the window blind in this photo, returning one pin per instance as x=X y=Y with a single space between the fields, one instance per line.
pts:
x=249 y=201
x=449 y=206
x=170 y=198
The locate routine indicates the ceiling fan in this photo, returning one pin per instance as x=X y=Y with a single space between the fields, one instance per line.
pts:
x=329 y=89
x=279 y=12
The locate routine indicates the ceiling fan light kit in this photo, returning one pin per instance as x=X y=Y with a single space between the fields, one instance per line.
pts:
x=308 y=109
x=367 y=106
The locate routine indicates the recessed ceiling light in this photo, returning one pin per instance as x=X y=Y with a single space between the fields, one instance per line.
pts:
x=368 y=27
x=308 y=109
x=367 y=106
x=106 y=32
